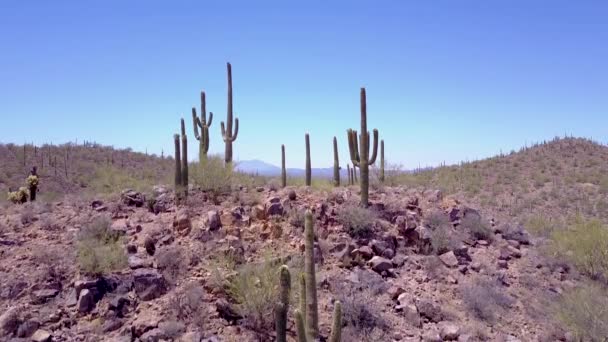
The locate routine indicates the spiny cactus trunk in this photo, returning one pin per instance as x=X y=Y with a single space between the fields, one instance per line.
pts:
x=282 y=306
x=300 y=327
x=184 y=159
x=349 y=175
x=359 y=152
x=178 y=167
x=381 y=161
x=308 y=169
x=336 y=326
x=227 y=134
x=355 y=179
x=203 y=137
x=303 y=295
x=283 y=170
x=336 y=164
x=312 y=317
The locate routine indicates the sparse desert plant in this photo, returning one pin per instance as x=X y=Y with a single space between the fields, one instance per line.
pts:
x=476 y=227
x=212 y=176
x=485 y=299
x=584 y=311
x=187 y=304
x=172 y=262
x=99 y=249
x=444 y=239
x=27 y=215
x=436 y=219
x=358 y=222
x=584 y=243
x=541 y=225
x=296 y=217
x=360 y=311
x=47 y=222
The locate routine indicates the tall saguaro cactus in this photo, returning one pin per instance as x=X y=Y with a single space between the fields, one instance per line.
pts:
x=178 y=167
x=283 y=170
x=312 y=314
x=381 y=161
x=227 y=134
x=184 y=158
x=308 y=169
x=204 y=125
x=349 y=174
x=336 y=164
x=359 y=151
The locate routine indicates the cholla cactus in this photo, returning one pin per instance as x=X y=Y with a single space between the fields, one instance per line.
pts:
x=19 y=196
x=32 y=181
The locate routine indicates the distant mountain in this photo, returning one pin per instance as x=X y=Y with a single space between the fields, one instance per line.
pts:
x=265 y=169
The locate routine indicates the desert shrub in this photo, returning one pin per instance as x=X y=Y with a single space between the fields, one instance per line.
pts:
x=27 y=215
x=540 y=225
x=99 y=249
x=444 y=239
x=172 y=261
x=212 y=176
x=476 y=227
x=296 y=217
x=584 y=311
x=187 y=304
x=357 y=221
x=484 y=299
x=360 y=311
x=108 y=179
x=255 y=289
x=47 y=222
x=584 y=244
x=436 y=219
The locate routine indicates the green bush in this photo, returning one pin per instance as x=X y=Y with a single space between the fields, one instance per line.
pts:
x=584 y=311
x=99 y=249
x=485 y=299
x=584 y=244
x=212 y=176
x=357 y=221
x=476 y=227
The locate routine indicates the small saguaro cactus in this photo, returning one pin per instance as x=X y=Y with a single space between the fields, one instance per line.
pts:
x=312 y=314
x=32 y=183
x=184 y=158
x=227 y=134
x=204 y=125
x=282 y=307
x=349 y=174
x=308 y=170
x=359 y=151
x=381 y=161
x=336 y=164
x=283 y=170
x=178 y=167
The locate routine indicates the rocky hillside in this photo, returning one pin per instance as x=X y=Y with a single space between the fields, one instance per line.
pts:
x=72 y=168
x=415 y=266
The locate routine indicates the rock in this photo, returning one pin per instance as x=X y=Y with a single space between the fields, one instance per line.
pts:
x=394 y=291
x=131 y=249
x=364 y=252
x=150 y=245
x=86 y=301
x=149 y=283
x=153 y=335
x=503 y=264
x=292 y=195
x=41 y=296
x=112 y=324
x=191 y=336
x=380 y=264
x=433 y=195
x=274 y=207
x=399 y=260
x=517 y=233
x=449 y=259
x=10 y=320
x=431 y=336
x=462 y=254
x=27 y=328
x=132 y=198
x=136 y=262
x=449 y=331
x=344 y=255
x=41 y=336
x=214 y=221
x=258 y=212
x=226 y=311
x=475 y=266
x=429 y=310
x=182 y=222
x=405 y=224
x=119 y=305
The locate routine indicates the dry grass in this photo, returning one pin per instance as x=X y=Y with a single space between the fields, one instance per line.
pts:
x=357 y=221
x=99 y=249
x=485 y=299
x=584 y=311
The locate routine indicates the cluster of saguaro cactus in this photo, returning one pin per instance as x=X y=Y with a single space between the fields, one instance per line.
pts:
x=336 y=164
x=307 y=315
x=359 y=150
x=203 y=124
x=308 y=168
x=381 y=177
x=227 y=134
x=283 y=170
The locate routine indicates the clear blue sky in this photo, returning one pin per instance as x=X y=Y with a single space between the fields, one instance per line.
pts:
x=446 y=80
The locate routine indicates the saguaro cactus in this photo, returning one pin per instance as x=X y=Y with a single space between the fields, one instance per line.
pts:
x=283 y=170
x=282 y=306
x=178 y=167
x=336 y=164
x=184 y=158
x=359 y=155
x=204 y=125
x=307 y=316
x=227 y=134
x=308 y=169
x=349 y=175
x=381 y=161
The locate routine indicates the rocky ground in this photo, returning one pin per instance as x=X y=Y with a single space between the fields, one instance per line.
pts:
x=416 y=266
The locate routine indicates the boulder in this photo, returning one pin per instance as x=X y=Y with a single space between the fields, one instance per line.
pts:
x=182 y=223
x=42 y=296
x=41 y=336
x=213 y=220
x=86 y=301
x=449 y=331
x=27 y=328
x=149 y=283
x=380 y=264
x=131 y=197
x=449 y=259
